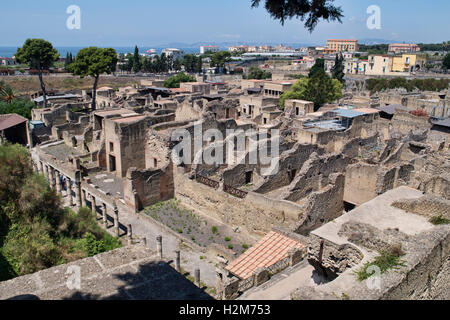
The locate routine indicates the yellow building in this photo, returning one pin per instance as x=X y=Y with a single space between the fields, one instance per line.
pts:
x=408 y=62
x=342 y=45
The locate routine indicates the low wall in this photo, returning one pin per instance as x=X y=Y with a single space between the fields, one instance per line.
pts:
x=257 y=213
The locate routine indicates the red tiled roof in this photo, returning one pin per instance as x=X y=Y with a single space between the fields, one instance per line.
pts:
x=10 y=120
x=268 y=251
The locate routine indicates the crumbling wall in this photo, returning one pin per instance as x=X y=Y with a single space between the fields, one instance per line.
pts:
x=428 y=206
x=360 y=183
x=143 y=188
x=322 y=206
x=290 y=164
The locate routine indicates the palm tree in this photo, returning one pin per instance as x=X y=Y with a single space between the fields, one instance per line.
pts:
x=6 y=93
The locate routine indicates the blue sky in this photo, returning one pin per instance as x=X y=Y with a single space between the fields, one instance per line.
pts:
x=153 y=23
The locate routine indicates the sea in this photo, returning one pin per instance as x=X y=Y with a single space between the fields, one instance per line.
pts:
x=10 y=51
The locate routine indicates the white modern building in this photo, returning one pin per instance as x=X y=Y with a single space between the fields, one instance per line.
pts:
x=175 y=53
x=204 y=49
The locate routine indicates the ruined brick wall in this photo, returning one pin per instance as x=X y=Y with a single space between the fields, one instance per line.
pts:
x=437 y=185
x=322 y=206
x=315 y=175
x=360 y=183
x=143 y=188
x=428 y=206
x=405 y=123
x=290 y=164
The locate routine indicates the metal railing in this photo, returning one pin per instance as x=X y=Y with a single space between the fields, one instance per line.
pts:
x=235 y=192
x=208 y=182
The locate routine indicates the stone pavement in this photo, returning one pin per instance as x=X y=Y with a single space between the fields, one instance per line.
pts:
x=190 y=258
x=128 y=273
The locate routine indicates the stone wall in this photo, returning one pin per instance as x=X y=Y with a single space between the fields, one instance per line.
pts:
x=143 y=188
x=428 y=206
x=256 y=213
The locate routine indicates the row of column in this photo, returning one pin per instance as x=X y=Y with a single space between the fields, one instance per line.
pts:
x=60 y=182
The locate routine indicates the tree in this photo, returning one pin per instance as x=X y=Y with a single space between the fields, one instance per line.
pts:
x=258 y=74
x=320 y=89
x=174 y=82
x=338 y=70
x=6 y=93
x=41 y=55
x=137 y=66
x=446 y=62
x=93 y=62
x=218 y=59
x=310 y=10
x=20 y=106
x=319 y=65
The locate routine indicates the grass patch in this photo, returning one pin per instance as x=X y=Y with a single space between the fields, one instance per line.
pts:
x=387 y=260
x=439 y=220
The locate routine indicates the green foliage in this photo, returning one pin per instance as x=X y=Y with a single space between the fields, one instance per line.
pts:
x=214 y=229
x=258 y=74
x=318 y=66
x=227 y=239
x=20 y=106
x=310 y=11
x=35 y=231
x=338 y=70
x=192 y=63
x=385 y=261
x=439 y=220
x=230 y=246
x=320 y=89
x=446 y=62
x=137 y=65
x=174 y=82
x=6 y=93
x=218 y=59
x=376 y=85
x=38 y=53
x=93 y=62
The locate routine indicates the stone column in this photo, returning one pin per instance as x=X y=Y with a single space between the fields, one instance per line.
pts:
x=53 y=178
x=94 y=205
x=69 y=191
x=178 y=261
x=116 y=220
x=197 y=277
x=84 y=197
x=159 y=246
x=44 y=170
x=105 y=219
x=144 y=241
x=78 y=193
x=47 y=172
x=130 y=234
x=58 y=182
x=41 y=167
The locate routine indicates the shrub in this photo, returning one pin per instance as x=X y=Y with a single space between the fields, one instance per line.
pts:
x=439 y=220
x=227 y=239
x=230 y=246
x=214 y=229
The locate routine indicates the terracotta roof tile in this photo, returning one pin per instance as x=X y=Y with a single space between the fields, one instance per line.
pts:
x=268 y=251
